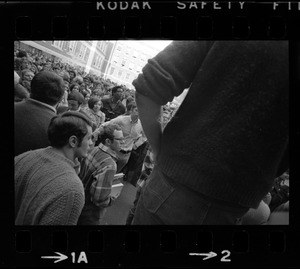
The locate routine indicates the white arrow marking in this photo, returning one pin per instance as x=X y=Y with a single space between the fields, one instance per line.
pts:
x=60 y=258
x=209 y=255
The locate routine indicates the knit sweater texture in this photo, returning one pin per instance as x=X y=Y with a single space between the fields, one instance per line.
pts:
x=31 y=124
x=47 y=189
x=230 y=134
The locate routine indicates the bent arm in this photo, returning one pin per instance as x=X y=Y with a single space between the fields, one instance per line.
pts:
x=149 y=113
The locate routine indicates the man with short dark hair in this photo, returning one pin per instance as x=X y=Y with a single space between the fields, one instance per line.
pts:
x=32 y=117
x=75 y=99
x=112 y=106
x=97 y=174
x=47 y=188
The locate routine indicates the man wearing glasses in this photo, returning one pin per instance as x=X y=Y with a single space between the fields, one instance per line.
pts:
x=97 y=174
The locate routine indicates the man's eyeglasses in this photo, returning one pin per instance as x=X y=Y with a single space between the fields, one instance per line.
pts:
x=120 y=139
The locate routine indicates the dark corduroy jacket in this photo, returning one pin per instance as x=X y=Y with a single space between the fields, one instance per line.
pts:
x=228 y=138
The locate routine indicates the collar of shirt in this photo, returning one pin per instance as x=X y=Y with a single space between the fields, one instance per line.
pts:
x=133 y=122
x=99 y=113
x=107 y=150
x=42 y=104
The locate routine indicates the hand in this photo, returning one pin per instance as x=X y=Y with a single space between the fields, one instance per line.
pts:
x=115 y=196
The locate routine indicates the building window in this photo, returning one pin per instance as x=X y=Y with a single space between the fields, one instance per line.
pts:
x=72 y=45
x=95 y=59
x=116 y=59
x=135 y=54
x=120 y=73
x=138 y=69
x=112 y=70
x=58 y=44
x=127 y=76
x=82 y=51
x=131 y=65
x=123 y=63
x=99 y=62
x=143 y=58
x=103 y=46
x=86 y=55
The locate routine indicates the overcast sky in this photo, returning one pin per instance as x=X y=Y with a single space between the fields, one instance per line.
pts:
x=154 y=45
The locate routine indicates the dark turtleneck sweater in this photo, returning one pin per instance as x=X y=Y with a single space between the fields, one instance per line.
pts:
x=230 y=134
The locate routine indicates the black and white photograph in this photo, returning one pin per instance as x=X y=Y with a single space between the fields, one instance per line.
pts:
x=151 y=132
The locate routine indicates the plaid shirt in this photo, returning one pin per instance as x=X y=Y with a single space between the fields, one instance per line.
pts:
x=97 y=174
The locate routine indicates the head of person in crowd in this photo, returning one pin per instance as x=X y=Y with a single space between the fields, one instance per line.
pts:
x=25 y=64
x=86 y=96
x=66 y=78
x=82 y=87
x=71 y=132
x=75 y=99
x=111 y=135
x=56 y=68
x=98 y=92
x=74 y=86
x=95 y=104
x=26 y=78
x=129 y=99
x=107 y=91
x=21 y=54
x=34 y=68
x=72 y=74
x=27 y=75
x=87 y=80
x=17 y=64
x=47 y=87
x=78 y=79
x=47 y=66
x=132 y=111
x=96 y=84
x=117 y=93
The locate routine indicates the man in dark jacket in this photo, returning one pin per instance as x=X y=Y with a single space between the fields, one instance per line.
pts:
x=112 y=106
x=33 y=116
x=220 y=153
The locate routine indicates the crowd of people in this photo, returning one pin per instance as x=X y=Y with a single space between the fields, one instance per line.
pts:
x=45 y=90
x=217 y=159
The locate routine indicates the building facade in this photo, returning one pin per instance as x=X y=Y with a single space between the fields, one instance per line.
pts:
x=89 y=55
x=127 y=60
x=120 y=61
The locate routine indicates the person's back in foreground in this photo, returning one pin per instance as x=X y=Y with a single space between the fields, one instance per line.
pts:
x=47 y=188
x=220 y=153
x=32 y=117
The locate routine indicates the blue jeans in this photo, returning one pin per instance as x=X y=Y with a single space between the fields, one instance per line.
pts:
x=163 y=201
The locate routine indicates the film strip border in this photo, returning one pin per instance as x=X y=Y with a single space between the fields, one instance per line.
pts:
x=153 y=20
x=148 y=246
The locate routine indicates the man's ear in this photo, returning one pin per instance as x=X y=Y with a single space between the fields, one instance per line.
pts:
x=73 y=141
x=108 y=142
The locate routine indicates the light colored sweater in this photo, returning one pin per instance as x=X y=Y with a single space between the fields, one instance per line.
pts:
x=47 y=189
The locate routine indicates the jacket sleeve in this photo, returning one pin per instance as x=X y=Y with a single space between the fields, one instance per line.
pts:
x=172 y=70
x=100 y=189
